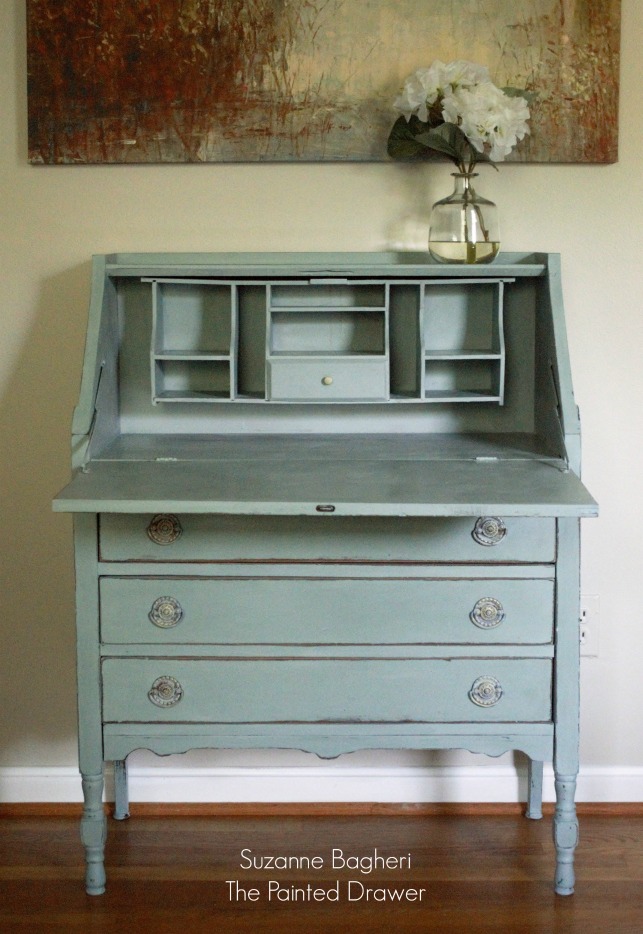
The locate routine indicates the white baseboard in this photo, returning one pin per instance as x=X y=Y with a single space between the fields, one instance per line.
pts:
x=322 y=784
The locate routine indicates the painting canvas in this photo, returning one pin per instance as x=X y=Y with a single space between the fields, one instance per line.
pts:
x=122 y=81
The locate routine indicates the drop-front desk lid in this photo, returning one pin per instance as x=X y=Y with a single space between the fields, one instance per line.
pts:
x=356 y=476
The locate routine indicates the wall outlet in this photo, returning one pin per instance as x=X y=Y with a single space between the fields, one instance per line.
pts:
x=589 y=616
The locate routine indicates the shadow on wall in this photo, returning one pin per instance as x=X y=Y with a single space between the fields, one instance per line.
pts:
x=37 y=631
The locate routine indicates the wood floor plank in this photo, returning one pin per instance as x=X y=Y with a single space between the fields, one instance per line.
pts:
x=482 y=873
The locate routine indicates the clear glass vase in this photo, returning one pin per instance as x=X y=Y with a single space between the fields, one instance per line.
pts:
x=464 y=227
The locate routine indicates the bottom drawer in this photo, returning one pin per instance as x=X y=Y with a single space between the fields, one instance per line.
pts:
x=332 y=690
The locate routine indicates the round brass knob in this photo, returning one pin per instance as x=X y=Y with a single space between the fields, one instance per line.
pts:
x=165 y=692
x=487 y=613
x=489 y=530
x=327 y=381
x=485 y=691
x=166 y=612
x=164 y=529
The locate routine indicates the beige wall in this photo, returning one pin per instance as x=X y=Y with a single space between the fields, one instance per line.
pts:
x=54 y=218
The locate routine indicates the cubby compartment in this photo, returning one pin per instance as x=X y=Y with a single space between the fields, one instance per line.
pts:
x=326 y=295
x=336 y=333
x=193 y=340
x=193 y=379
x=192 y=317
x=251 y=342
x=405 y=341
x=475 y=378
x=463 y=346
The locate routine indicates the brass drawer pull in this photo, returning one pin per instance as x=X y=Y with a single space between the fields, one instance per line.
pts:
x=165 y=692
x=487 y=613
x=166 y=612
x=327 y=381
x=164 y=529
x=489 y=530
x=485 y=691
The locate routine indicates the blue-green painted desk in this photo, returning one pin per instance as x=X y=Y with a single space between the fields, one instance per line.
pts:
x=326 y=502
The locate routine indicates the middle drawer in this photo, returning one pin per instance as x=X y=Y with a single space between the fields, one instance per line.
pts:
x=325 y=610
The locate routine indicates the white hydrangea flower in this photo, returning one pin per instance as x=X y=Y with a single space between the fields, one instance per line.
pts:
x=492 y=121
x=412 y=100
x=426 y=85
x=461 y=74
x=421 y=90
x=462 y=93
x=508 y=131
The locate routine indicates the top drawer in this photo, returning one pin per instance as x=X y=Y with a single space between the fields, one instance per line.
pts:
x=170 y=538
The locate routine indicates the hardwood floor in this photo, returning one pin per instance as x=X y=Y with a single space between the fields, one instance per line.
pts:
x=478 y=870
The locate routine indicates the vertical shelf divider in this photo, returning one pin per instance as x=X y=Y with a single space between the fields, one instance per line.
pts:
x=421 y=362
x=499 y=340
x=234 y=340
x=156 y=339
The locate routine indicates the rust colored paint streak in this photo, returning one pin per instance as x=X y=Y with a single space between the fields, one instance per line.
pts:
x=112 y=81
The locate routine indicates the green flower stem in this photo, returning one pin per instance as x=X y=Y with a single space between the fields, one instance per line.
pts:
x=471 y=247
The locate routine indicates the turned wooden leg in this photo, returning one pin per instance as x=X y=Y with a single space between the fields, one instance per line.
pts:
x=121 y=793
x=566 y=704
x=93 y=832
x=534 y=790
x=565 y=833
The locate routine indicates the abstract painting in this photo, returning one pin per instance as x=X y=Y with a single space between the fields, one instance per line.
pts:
x=157 y=81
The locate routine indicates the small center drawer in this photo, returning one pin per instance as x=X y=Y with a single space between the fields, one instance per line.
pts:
x=327 y=379
x=325 y=611
x=333 y=690
x=171 y=538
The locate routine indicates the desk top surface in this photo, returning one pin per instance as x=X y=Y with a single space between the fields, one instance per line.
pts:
x=356 y=475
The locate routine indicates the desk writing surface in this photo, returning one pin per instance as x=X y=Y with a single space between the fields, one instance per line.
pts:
x=354 y=484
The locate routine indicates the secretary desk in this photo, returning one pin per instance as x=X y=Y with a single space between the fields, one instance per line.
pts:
x=326 y=502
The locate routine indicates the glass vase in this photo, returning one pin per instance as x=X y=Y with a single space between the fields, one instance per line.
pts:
x=464 y=227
